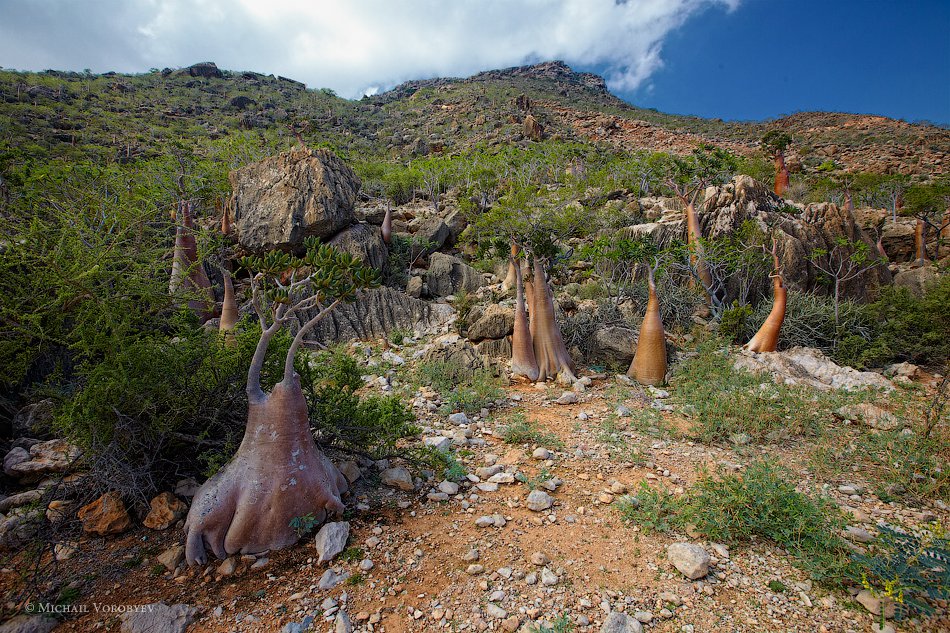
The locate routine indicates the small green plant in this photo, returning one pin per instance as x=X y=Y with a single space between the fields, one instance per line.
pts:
x=561 y=624
x=736 y=323
x=355 y=579
x=352 y=555
x=655 y=510
x=777 y=586
x=520 y=430
x=534 y=483
x=909 y=568
x=304 y=525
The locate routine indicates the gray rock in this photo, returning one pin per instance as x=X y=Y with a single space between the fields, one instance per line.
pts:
x=397 y=477
x=870 y=415
x=617 y=622
x=917 y=280
x=549 y=578
x=497 y=322
x=460 y=360
x=614 y=346
x=172 y=557
x=438 y=442
x=432 y=230
x=492 y=348
x=810 y=368
x=158 y=618
x=376 y=312
x=14 y=458
x=541 y=453
x=29 y=624
x=331 y=540
x=283 y=199
x=364 y=242
x=458 y=418
x=331 y=579
x=350 y=470
x=414 y=287
x=691 y=560
x=568 y=397
x=538 y=500
x=342 y=624
x=53 y=456
x=448 y=275
x=449 y=487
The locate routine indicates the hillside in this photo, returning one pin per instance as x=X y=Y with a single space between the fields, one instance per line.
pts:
x=125 y=117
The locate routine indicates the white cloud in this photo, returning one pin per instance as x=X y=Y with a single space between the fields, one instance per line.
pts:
x=351 y=46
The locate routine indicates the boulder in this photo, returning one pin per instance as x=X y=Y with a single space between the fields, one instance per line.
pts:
x=432 y=231
x=496 y=322
x=33 y=420
x=208 y=70
x=376 y=312
x=917 y=280
x=364 y=242
x=532 y=129
x=618 y=622
x=809 y=367
x=45 y=458
x=448 y=275
x=689 y=559
x=614 y=345
x=158 y=618
x=283 y=199
x=459 y=359
x=331 y=540
x=456 y=223
x=105 y=516
x=397 y=477
x=897 y=238
x=495 y=348
x=165 y=510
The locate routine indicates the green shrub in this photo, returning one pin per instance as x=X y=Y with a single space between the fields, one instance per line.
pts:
x=736 y=323
x=520 y=430
x=655 y=510
x=461 y=388
x=724 y=401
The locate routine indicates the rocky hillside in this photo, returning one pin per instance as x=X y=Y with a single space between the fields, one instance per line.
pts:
x=125 y=117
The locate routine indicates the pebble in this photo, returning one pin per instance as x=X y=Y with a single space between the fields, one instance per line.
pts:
x=538 y=500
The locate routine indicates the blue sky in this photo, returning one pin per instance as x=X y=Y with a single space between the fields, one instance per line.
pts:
x=732 y=59
x=773 y=57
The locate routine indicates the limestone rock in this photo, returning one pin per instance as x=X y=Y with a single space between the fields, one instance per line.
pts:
x=614 y=345
x=53 y=456
x=172 y=557
x=364 y=242
x=869 y=414
x=433 y=231
x=281 y=200
x=917 y=280
x=158 y=618
x=809 y=367
x=532 y=129
x=497 y=322
x=29 y=624
x=538 y=501
x=165 y=510
x=691 y=560
x=460 y=360
x=617 y=622
x=449 y=275
x=331 y=540
x=397 y=477
x=105 y=516
x=494 y=348
x=376 y=312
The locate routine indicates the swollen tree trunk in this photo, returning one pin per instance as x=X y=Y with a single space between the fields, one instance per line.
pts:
x=880 y=248
x=781 y=174
x=649 y=360
x=695 y=248
x=549 y=350
x=848 y=200
x=766 y=339
x=277 y=474
x=944 y=235
x=387 y=227
x=187 y=272
x=523 y=361
x=229 y=309
x=509 y=281
x=920 y=243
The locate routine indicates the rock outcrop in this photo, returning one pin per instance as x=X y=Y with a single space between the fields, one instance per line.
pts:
x=448 y=275
x=363 y=241
x=377 y=312
x=808 y=367
x=283 y=199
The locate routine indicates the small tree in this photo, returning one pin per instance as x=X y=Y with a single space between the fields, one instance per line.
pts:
x=844 y=261
x=278 y=473
x=775 y=142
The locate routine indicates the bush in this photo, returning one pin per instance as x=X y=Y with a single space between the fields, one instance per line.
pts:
x=520 y=430
x=461 y=388
x=736 y=323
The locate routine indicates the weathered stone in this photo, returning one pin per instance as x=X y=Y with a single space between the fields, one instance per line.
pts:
x=415 y=286
x=158 y=618
x=460 y=360
x=870 y=415
x=350 y=470
x=614 y=345
x=917 y=280
x=449 y=275
x=165 y=510
x=33 y=420
x=59 y=510
x=208 y=70
x=364 y=242
x=532 y=129
x=867 y=600
x=691 y=560
x=538 y=500
x=283 y=199
x=172 y=557
x=494 y=348
x=105 y=516
x=430 y=234
x=16 y=456
x=53 y=456
x=331 y=540
x=19 y=499
x=809 y=367
x=617 y=622
x=496 y=322
x=397 y=477
x=375 y=313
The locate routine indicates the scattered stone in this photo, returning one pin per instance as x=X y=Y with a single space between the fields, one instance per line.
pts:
x=858 y=534
x=689 y=559
x=873 y=604
x=350 y=470
x=331 y=579
x=151 y=618
x=540 y=559
x=165 y=510
x=228 y=566
x=43 y=458
x=105 y=516
x=341 y=623
x=63 y=551
x=459 y=418
x=29 y=624
x=538 y=500
x=549 y=578
x=495 y=612
x=439 y=442
x=449 y=487
x=366 y=564
x=568 y=397
x=617 y=622
x=398 y=477
x=474 y=569
x=870 y=415
x=623 y=412
x=643 y=616
x=172 y=557
x=331 y=540
x=541 y=453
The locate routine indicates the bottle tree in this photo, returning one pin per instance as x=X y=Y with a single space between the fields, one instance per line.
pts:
x=687 y=178
x=766 y=339
x=278 y=473
x=774 y=143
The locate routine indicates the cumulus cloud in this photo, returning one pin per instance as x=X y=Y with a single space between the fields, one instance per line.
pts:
x=351 y=46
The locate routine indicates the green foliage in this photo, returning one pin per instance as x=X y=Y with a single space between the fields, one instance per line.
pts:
x=736 y=323
x=561 y=624
x=724 y=401
x=654 y=510
x=304 y=525
x=520 y=430
x=462 y=389
x=341 y=418
x=908 y=568
x=775 y=141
